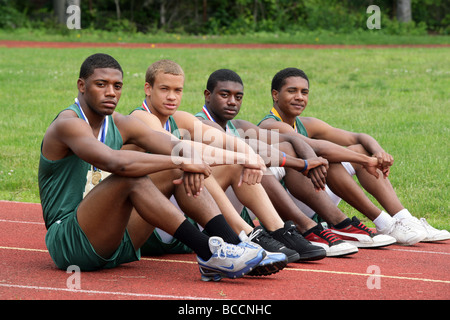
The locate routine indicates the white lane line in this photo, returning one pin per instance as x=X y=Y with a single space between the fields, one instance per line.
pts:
x=26 y=222
x=420 y=251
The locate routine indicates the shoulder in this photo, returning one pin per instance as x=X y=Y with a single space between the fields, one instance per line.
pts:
x=183 y=115
x=66 y=120
x=185 y=119
x=272 y=124
x=314 y=125
x=243 y=124
x=149 y=119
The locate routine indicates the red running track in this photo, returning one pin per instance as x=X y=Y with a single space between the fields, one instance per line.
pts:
x=48 y=44
x=27 y=272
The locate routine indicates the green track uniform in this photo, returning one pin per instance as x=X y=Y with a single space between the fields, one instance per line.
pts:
x=61 y=187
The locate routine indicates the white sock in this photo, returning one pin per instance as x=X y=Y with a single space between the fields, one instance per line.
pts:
x=383 y=220
x=403 y=214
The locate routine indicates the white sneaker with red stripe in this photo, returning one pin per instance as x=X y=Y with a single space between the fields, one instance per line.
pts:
x=359 y=235
x=325 y=238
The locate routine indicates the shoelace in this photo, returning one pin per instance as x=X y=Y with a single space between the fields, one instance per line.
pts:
x=262 y=237
x=364 y=228
x=329 y=236
x=292 y=231
x=226 y=250
x=399 y=224
x=254 y=234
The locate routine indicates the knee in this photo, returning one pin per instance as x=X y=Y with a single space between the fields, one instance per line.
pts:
x=227 y=174
x=358 y=148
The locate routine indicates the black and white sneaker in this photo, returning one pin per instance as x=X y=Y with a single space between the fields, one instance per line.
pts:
x=268 y=243
x=289 y=236
x=272 y=262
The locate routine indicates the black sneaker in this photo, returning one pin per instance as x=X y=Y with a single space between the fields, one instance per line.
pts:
x=290 y=236
x=268 y=243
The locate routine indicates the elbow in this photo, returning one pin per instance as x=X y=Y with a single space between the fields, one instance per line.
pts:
x=116 y=164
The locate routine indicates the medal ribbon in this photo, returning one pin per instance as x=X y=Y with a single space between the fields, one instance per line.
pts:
x=166 y=125
x=275 y=113
x=210 y=118
x=104 y=128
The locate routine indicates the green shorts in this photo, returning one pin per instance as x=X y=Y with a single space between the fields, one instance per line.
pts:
x=68 y=245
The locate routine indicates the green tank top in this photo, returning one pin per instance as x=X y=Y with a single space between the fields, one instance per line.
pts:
x=62 y=182
x=204 y=114
x=299 y=127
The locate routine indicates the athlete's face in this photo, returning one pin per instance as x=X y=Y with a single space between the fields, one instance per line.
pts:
x=102 y=90
x=166 y=93
x=293 y=96
x=225 y=100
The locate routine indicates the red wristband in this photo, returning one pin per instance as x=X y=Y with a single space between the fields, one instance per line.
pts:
x=284 y=160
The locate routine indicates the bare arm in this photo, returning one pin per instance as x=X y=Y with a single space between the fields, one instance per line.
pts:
x=70 y=135
x=332 y=151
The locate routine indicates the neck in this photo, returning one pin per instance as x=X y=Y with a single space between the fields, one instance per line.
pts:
x=94 y=119
x=162 y=118
x=286 y=118
x=221 y=122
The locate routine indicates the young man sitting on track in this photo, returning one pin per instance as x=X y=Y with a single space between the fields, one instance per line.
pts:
x=223 y=99
x=117 y=216
x=163 y=89
x=290 y=91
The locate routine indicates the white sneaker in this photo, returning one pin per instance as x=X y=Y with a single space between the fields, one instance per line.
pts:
x=433 y=234
x=228 y=260
x=404 y=231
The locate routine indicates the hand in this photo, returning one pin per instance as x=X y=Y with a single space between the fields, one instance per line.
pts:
x=317 y=172
x=250 y=176
x=384 y=161
x=253 y=171
x=193 y=177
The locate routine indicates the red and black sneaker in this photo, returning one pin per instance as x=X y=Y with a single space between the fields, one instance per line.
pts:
x=325 y=238
x=356 y=233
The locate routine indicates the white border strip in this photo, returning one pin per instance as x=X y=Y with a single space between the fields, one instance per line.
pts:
x=129 y=294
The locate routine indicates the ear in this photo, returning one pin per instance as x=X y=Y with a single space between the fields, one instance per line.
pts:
x=148 y=89
x=207 y=95
x=81 y=84
x=275 y=95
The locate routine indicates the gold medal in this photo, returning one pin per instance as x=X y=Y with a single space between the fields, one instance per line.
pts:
x=96 y=177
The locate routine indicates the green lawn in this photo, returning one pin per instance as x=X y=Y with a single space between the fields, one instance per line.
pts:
x=399 y=96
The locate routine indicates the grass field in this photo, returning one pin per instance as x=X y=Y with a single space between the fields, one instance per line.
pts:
x=399 y=96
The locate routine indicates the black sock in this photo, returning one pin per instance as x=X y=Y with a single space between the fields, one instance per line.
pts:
x=316 y=227
x=219 y=227
x=344 y=223
x=194 y=239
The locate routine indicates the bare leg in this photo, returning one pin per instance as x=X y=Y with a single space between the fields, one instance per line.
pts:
x=284 y=205
x=302 y=189
x=104 y=214
x=253 y=197
x=343 y=185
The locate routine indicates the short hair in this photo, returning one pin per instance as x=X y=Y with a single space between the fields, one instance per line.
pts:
x=164 y=66
x=279 y=79
x=222 y=75
x=98 y=61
